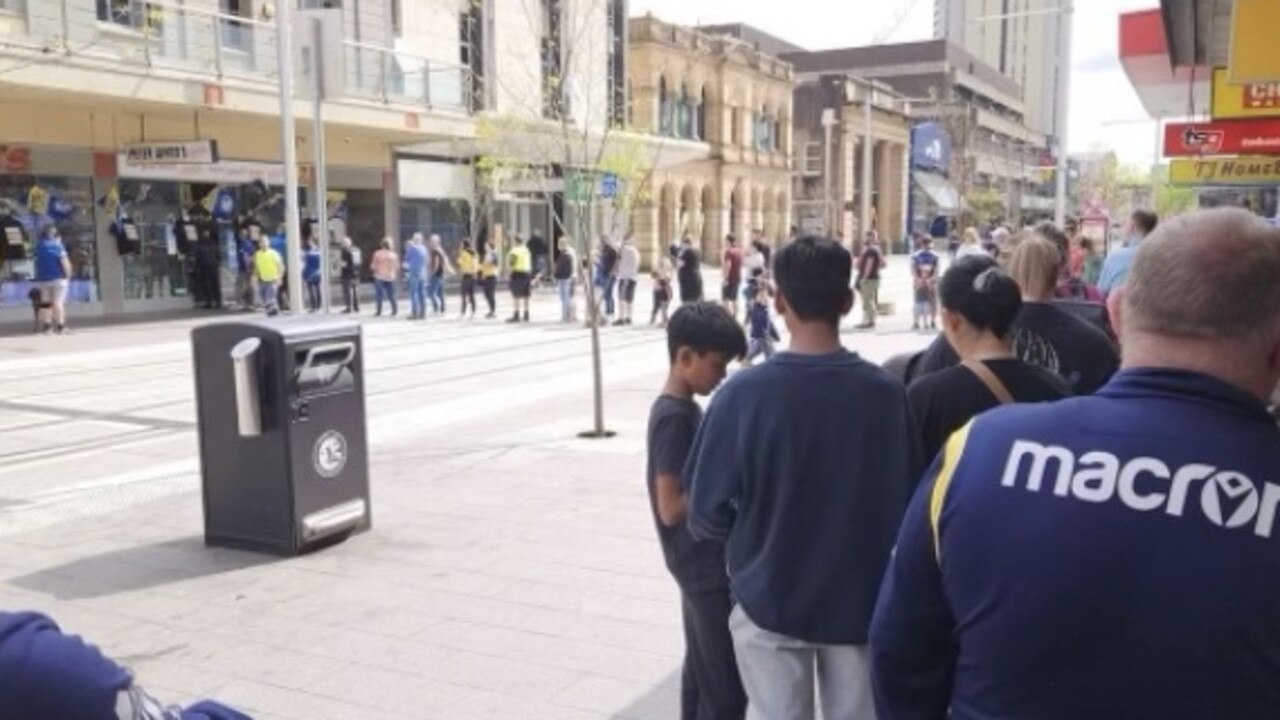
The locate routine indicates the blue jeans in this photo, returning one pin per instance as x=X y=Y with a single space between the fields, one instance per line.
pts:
x=435 y=291
x=268 y=295
x=565 y=288
x=606 y=290
x=417 y=296
x=387 y=289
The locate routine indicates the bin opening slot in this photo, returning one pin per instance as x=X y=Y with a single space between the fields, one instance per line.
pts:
x=325 y=368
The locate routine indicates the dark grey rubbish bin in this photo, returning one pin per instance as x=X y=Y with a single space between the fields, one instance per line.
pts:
x=283 y=439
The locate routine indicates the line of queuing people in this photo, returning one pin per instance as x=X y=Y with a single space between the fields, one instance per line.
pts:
x=1095 y=534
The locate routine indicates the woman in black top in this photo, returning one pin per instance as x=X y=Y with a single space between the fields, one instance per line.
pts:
x=979 y=304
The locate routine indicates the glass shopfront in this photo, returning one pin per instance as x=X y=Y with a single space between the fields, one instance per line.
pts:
x=30 y=203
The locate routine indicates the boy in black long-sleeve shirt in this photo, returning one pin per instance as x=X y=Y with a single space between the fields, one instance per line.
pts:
x=804 y=467
x=701 y=339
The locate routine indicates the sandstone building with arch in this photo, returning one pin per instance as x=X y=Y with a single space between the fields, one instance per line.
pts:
x=718 y=90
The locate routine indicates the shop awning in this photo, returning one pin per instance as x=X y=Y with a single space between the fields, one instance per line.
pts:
x=1166 y=87
x=940 y=191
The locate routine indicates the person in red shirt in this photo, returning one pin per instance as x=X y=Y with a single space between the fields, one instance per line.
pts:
x=731 y=266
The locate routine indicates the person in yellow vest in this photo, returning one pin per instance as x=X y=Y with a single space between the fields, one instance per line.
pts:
x=521 y=264
x=467 y=269
x=268 y=273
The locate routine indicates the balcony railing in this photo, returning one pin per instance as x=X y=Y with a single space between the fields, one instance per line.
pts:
x=207 y=42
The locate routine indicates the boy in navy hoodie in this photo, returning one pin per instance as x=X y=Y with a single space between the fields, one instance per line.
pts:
x=803 y=468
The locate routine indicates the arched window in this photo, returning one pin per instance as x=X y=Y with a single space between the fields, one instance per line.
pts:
x=664 y=108
x=685 y=127
x=703 y=107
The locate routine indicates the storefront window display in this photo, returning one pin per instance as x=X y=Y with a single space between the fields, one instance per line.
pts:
x=30 y=203
x=157 y=269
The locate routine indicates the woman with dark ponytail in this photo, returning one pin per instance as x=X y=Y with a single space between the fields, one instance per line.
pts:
x=979 y=305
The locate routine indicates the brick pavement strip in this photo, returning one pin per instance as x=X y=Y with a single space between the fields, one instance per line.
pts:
x=511 y=573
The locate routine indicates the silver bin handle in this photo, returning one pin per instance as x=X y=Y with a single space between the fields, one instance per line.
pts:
x=244 y=362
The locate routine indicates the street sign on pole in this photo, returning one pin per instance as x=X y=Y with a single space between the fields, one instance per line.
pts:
x=609 y=186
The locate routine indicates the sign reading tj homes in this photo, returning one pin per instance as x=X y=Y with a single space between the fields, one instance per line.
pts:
x=187 y=152
x=1226 y=171
x=1253 y=100
x=1229 y=137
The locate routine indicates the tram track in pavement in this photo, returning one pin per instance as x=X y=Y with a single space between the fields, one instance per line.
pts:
x=122 y=441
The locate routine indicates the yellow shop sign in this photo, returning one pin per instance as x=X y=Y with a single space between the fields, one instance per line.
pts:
x=1251 y=100
x=1226 y=171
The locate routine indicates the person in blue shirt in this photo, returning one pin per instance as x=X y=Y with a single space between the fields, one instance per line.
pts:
x=1118 y=555
x=924 y=277
x=415 y=266
x=1115 y=269
x=311 y=274
x=803 y=468
x=46 y=674
x=52 y=274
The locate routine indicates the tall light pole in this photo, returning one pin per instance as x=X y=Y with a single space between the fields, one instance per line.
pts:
x=1065 y=13
x=1062 y=118
x=865 y=209
x=289 y=152
x=829 y=122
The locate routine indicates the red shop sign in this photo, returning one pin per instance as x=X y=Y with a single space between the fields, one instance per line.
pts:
x=15 y=159
x=1225 y=137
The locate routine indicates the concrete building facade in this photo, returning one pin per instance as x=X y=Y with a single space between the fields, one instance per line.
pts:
x=993 y=150
x=1019 y=38
x=691 y=86
x=832 y=204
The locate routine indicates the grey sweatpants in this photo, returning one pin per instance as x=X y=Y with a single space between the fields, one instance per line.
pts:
x=779 y=674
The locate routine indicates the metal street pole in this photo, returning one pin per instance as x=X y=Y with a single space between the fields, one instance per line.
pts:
x=828 y=125
x=322 y=179
x=866 y=163
x=289 y=153
x=1063 y=117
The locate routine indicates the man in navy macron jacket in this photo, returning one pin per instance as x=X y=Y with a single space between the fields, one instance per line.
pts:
x=1113 y=556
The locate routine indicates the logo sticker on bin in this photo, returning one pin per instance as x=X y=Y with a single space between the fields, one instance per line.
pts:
x=330 y=454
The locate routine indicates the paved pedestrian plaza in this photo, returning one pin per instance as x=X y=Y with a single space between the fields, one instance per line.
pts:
x=512 y=570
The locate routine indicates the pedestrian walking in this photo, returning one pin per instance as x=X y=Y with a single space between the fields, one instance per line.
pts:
x=384 y=267
x=53 y=277
x=521 y=280
x=803 y=467
x=246 y=246
x=764 y=336
x=268 y=272
x=702 y=339
x=311 y=275
x=566 y=267
x=467 y=267
x=689 y=272
x=416 y=271
x=870 y=263
x=606 y=276
x=351 y=262
x=731 y=268
x=439 y=267
x=1087 y=558
x=539 y=250
x=661 y=291
x=489 y=277
x=628 y=279
x=924 y=278
x=979 y=305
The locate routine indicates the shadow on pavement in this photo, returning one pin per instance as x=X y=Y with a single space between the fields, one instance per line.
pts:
x=137 y=568
x=662 y=702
